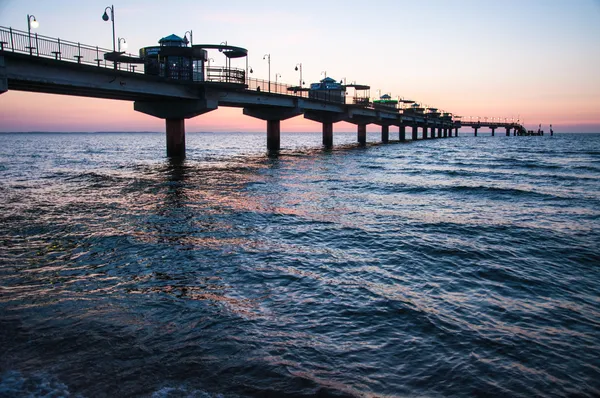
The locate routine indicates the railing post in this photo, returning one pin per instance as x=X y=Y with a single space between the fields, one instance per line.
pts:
x=37 y=46
x=12 y=43
x=59 y=50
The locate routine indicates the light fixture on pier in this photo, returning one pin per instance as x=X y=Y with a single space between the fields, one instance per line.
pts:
x=31 y=23
x=299 y=68
x=121 y=39
x=105 y=18
x=268 y=58
x=211 y=59
x=277 y=75
x=185 y=39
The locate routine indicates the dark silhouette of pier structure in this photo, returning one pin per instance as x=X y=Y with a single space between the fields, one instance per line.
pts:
x=174 y=82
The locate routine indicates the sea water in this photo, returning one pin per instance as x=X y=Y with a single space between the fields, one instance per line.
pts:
x=450 y=267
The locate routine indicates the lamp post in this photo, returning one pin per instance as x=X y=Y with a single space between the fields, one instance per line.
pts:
x=185 y=40
x=105 y=18
x=324 y=73
x=208 y=60
x=121 y=39
x=277 y=75
x=31 y=23
x=268 y=58
x=300 y=83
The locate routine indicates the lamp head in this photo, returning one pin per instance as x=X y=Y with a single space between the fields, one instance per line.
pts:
x=105 y=16
x=296 y=68
x=34 y=24
x=185 y=40
x=251 y=71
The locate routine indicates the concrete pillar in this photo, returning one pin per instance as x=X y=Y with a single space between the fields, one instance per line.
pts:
x=508 y=131
x=273 y=135
x=515 y=133
x=493 y=131
x=415 y=132
x=445 y=132
x=175 y=138
x=425 y=132
x=385 y=134
x=439 y=132
x=402 y=133
x=456 y=131
x=475 y=128
x=362 y=134
x=3 y=76
x=327 y=134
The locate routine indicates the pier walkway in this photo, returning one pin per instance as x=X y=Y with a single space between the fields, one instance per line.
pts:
x=36 y=63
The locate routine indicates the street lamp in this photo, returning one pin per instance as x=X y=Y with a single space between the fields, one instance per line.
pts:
x=301 y=83
x=105 y=18
x=185 y=40
x=268 y=58
x=324 y=73
x=208 y=60
x=121 y=39
x=277 y=74
x=31 y=23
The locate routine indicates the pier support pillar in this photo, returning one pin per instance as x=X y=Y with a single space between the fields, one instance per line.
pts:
x=493 y=131
x=273 y=135
x=3 y=77
x=445 y=132
x=424 y=132
x=327 y=134
x=175 y=138
x=175 y=112
x=362 y=134
x=456 y=131
x=385 y=134
x=402 y=131
x=273 y=116
x=508 y=131
x=475 y=129
x=439 y=133
x=415 y=132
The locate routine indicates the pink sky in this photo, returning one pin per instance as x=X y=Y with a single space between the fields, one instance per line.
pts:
x=533 y=59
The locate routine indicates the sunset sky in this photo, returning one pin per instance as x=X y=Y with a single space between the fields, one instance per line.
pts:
x=534 y=59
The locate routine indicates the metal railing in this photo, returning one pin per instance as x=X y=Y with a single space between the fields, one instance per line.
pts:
x=36 y=45
x=225 y=75
x=48 y=47
x=275 y=88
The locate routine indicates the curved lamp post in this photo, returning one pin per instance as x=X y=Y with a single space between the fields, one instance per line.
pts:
x=268 y=58
x=121 y=39
x=105 y=18
x=31 y=23
x=299 y=68
x=185 y=40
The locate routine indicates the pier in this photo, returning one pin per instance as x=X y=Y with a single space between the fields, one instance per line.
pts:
x=174 y=81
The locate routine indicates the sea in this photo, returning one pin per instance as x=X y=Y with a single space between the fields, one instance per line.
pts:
x=455 y=267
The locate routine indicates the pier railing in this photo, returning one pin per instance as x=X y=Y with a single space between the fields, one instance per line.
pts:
x=36 y=45
x=48 y=47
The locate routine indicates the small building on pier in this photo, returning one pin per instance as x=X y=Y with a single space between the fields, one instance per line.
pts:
x=174 y=59
x=328 y=90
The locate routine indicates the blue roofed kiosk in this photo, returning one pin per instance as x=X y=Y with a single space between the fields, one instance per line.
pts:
x=173 y=59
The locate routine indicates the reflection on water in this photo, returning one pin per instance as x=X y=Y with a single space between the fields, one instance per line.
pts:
x=451 y=267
